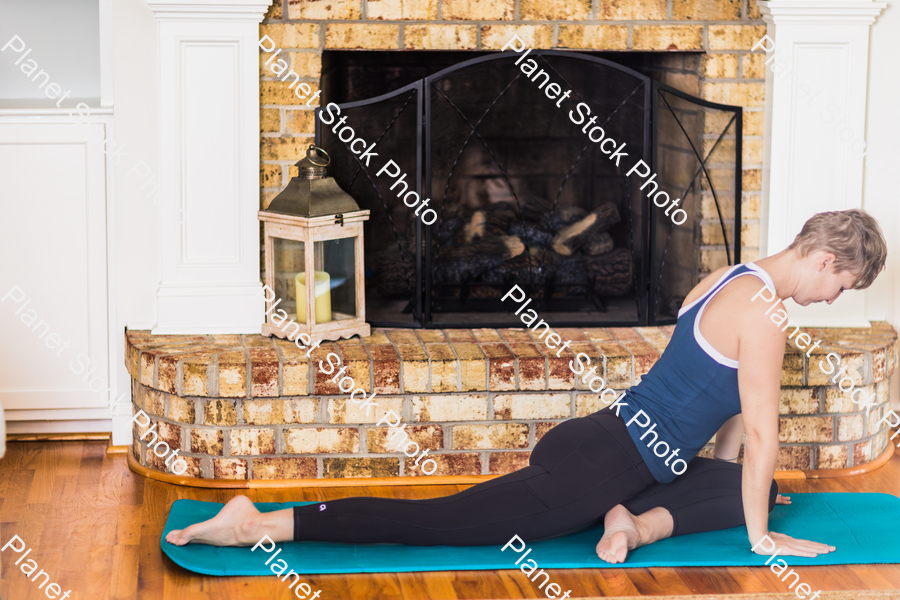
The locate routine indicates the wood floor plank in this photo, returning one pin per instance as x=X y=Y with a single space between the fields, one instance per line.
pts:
x=16 y=498
x=22 y=455
x=98 y=571
x=467 y=584
x=152 y=567
x=46 y=471
x=626 y=574
x=113 y=490
x=715 y=580
x=46 y=556
x=79 y=513
x=755 y=580
x=125 y=567
x=659 y=581
x=128 y=525
x=874 y=576
x=437 y=585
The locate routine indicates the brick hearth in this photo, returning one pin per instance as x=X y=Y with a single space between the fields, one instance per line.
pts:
x=251 y=407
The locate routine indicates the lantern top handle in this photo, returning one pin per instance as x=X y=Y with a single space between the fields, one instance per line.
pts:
x=315 y=154
x=314 y=164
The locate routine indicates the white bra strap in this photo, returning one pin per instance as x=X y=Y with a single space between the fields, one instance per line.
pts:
x=701 y=341
x=722 y=281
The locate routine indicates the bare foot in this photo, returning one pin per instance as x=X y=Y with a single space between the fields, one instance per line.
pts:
x=235 y=525
x=621 y=534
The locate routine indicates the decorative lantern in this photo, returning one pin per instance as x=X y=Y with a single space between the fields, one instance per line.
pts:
x=314 y=257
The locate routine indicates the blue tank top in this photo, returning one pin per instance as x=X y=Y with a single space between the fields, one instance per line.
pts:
x=690 y=391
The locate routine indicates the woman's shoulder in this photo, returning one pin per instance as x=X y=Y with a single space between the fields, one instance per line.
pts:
x=739 y=307
x=705 y=285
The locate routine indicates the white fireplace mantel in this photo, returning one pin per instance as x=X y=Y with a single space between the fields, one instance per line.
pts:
x=815 y=125
x=209 y=166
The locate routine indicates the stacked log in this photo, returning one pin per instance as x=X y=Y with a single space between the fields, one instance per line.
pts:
x=611 y=273
x=494 y=245
x=395 y=276
x=572 y=237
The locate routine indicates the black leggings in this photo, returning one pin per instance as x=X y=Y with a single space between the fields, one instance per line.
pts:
x=578 y=471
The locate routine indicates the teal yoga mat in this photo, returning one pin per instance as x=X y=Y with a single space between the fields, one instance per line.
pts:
x=858 y=524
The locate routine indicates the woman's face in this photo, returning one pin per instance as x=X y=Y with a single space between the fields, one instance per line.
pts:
x=823 y=284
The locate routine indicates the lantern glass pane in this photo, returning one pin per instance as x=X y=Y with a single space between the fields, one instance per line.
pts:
x=335 y=264
x=290 y=258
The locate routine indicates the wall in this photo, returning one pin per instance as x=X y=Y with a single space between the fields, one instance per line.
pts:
x=883 y=145
x=137 y=220
x=880 y=196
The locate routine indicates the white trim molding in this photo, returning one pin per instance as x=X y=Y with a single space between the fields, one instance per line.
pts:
x=106 y=53
x=210 y=10
x=815 y=125
x=209 y=166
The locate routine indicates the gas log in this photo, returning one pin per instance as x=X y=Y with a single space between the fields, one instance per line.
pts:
x=612 y=272
x=530 y=241
x=571 y=238
x=395 y=276
x=598 y=245
x=471 y=261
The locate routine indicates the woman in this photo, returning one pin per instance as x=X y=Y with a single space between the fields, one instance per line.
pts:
x=723 y=363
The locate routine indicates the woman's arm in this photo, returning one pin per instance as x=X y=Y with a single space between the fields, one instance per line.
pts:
x=761 y=354
x=728 y=443
x=760 y=357
x=728 y=439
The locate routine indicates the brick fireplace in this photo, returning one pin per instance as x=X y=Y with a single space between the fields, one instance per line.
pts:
x=707 y=45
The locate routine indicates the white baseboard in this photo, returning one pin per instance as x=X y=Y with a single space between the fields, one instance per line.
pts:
x=57 y=414
x=74 y=426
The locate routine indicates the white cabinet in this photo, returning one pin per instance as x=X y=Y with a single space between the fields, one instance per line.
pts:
x=55 y=334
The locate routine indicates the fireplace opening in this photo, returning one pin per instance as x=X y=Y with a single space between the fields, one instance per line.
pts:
x=523 y=196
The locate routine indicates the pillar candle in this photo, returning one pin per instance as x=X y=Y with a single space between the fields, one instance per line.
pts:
x=322 y=301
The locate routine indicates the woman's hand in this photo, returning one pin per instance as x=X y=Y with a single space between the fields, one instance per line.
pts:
x=785 y=545
x=779 y=499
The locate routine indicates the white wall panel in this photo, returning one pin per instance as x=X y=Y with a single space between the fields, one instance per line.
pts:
x=211 y=164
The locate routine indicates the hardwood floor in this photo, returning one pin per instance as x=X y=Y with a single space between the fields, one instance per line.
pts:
x=94 y=526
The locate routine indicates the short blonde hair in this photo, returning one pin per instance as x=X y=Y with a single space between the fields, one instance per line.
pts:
x=854 y=238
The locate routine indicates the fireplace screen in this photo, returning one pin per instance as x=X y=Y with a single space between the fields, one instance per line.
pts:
x=534 y=177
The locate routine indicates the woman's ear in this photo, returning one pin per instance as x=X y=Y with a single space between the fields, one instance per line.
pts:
x=825 y=260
